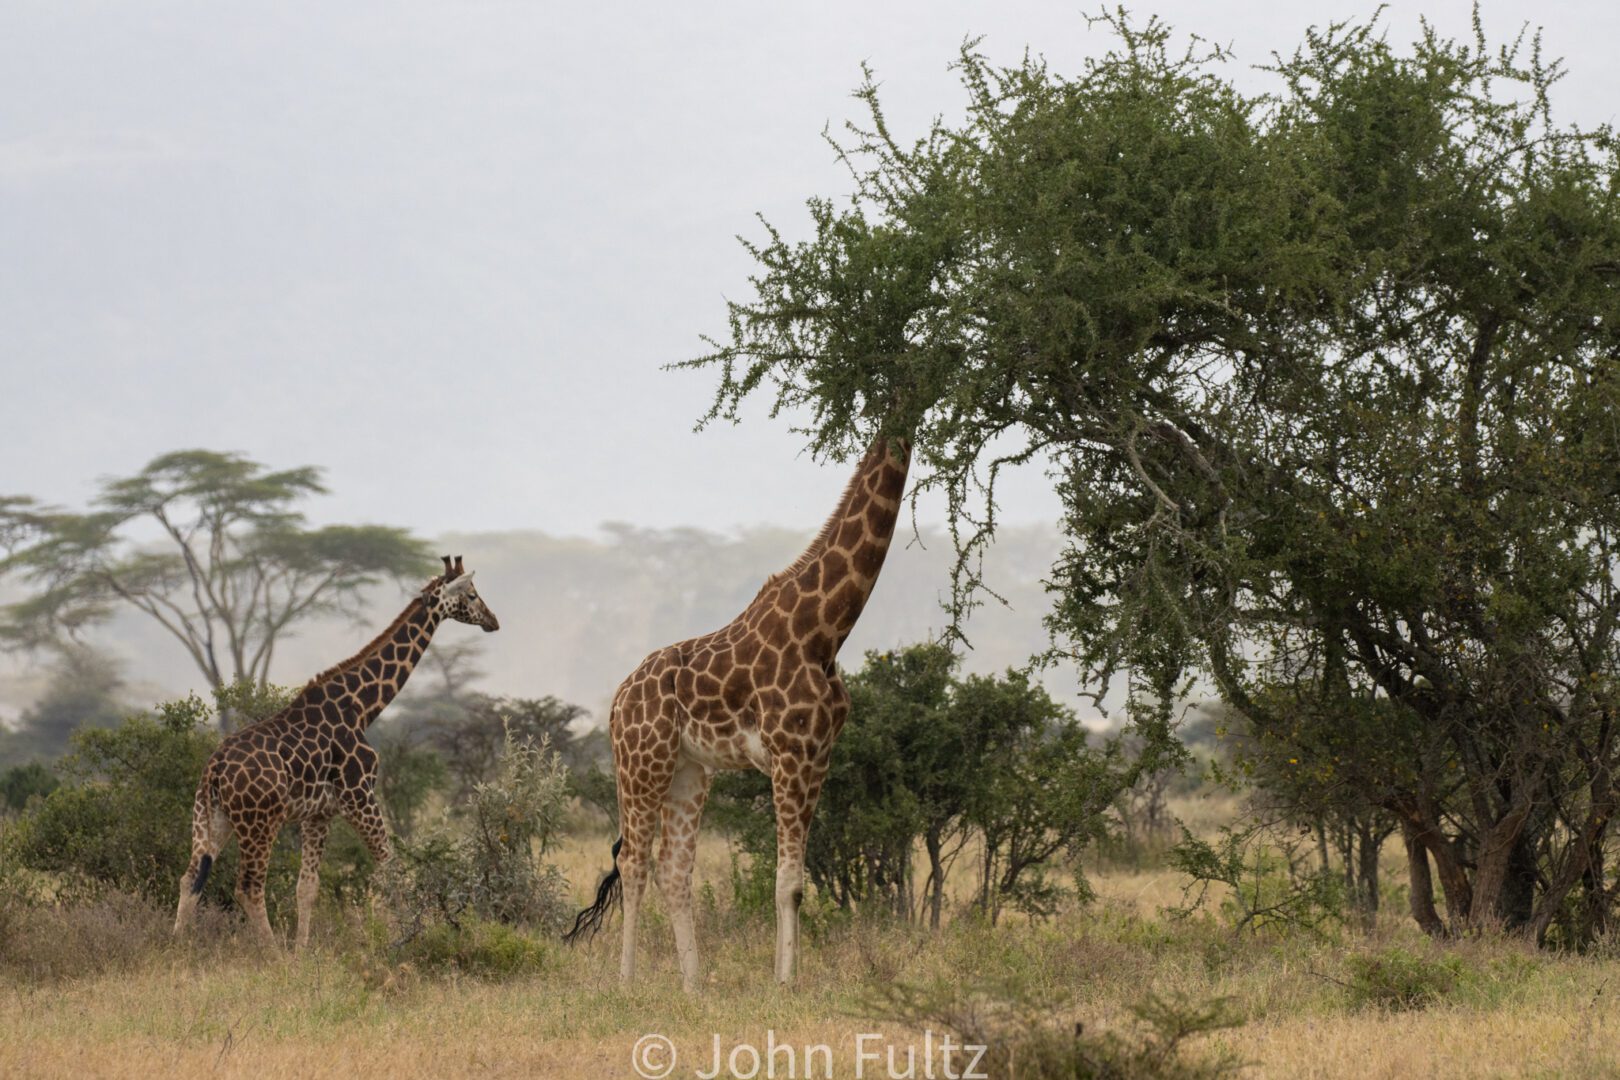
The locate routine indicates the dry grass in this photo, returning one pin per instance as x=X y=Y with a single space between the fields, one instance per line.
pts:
x=119 y=1000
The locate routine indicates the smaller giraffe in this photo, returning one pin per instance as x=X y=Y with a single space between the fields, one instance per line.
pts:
x=311 y=762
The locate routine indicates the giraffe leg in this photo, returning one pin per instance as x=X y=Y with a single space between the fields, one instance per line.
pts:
x=209 y=831
x=794 y=791
x=635 y=857
x=677 y=851
x=309 y=875
x=360 y=810
x=255 y=843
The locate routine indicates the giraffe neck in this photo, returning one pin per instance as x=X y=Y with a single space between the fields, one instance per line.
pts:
x=823 y=592
x=354 y=692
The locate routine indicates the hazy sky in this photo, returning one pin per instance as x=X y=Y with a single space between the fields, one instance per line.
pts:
x=443 y=248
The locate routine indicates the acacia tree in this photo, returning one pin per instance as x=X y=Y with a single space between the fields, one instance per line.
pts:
x=1329 y=379
x=233 y=569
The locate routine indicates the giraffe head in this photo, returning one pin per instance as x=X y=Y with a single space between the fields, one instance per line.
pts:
x=452 y=595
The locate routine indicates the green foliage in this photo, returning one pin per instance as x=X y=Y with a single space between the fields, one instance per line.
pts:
x=1397 y=979
x=928 y=760
x=407 y=777
x=597 y=787
x=20 y=783
x=251 y=701
x=122 y=818
x=468 y=729
x=477 y=947
x=1326 y=377
x=238 y=567
x=753 y=885
x=1268 y=882
x=491 y=866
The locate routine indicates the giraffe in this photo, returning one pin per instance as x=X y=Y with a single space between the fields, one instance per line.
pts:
x=761 y=692
x=310 y=761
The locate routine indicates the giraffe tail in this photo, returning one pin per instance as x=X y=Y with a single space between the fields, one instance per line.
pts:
x=589 y=921
x=207 y=799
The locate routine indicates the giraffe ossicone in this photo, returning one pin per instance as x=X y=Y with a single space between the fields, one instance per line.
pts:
x=762 y=692
x=310 y=762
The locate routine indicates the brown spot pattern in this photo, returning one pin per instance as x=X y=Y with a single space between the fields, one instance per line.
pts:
x=762 y=692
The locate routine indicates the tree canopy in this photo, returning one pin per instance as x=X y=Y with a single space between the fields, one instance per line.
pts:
x=232 y=567
x=1328 y=379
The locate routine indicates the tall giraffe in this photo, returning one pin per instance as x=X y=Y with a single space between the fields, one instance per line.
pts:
x=761 y=692
x=310 y=761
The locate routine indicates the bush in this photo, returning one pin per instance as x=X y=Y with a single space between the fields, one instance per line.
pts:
x=23 y=782
x=123 y=818
x=1024 y=1038
x=1398 y=980
x=897 y=806
x=477 y=947
x=492 y=867
x=115 y=931
x=1269 y=882
x=407 y=777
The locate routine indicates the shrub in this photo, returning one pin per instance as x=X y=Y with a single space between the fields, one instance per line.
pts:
x=491 y=867
x=23 y=782
x=1269 y=882
x=1024 y=1037
x=114 y=931
x=476 y=947
x=1398 y=980
x=123 y=818
x=407 y=777
x=897 y=806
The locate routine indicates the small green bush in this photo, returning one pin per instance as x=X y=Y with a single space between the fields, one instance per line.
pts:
x=487 y=862
x=122 y=819
x=1270 y=880
x=476 y=947
x=1398 y=980
x=753 y=886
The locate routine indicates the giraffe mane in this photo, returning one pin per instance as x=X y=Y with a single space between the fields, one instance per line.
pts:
x=344 y=666
x=816 y=546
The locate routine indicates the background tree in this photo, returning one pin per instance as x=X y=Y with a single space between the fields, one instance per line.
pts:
x=1039 y=788
x=472 y=738
x=83 y=692
x=235 y=566
x=929 y=762
x=1328 y=378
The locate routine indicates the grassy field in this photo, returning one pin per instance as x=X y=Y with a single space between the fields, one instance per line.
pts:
x=99 y=991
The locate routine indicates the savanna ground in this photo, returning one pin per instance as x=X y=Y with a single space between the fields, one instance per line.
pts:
x=100 y=990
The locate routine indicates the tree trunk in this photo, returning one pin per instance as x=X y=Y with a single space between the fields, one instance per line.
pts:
x=1422 y=885
x=1585 y=864
x=1420 y=822
x=1369 y=843
x=935 y=897
x=1498 y=855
